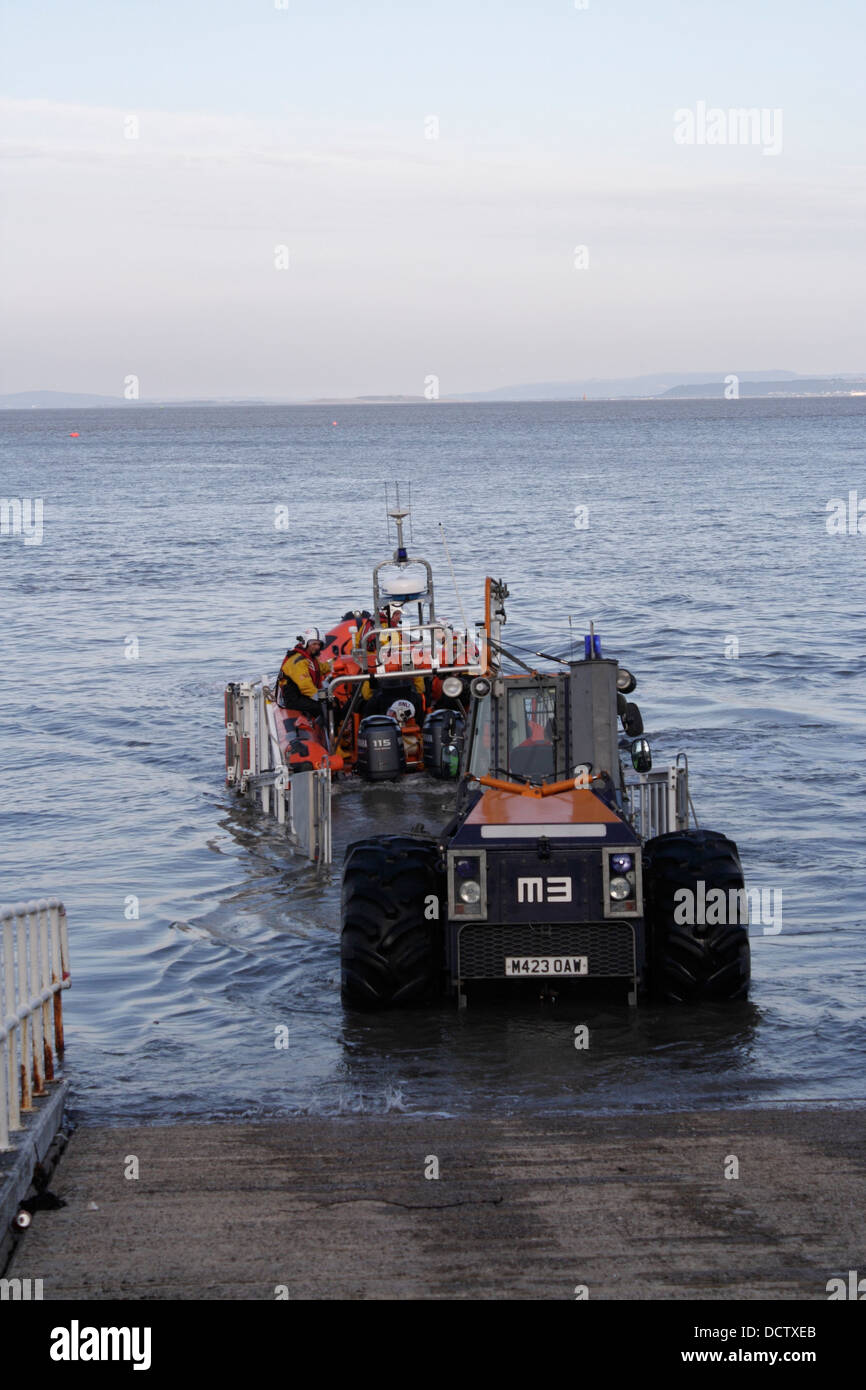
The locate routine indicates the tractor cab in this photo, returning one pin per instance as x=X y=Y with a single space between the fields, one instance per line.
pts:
x=542 y=730
x=516 y=730
x=533 y=741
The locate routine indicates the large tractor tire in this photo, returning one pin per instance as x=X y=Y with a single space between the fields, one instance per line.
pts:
x=693 y=962
x=391 y=948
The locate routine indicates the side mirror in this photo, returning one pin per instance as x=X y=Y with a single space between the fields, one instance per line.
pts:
x=449 y=761
x=641 y=755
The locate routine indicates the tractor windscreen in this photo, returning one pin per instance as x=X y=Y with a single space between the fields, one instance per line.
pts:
x=531 y=728
x=481 y=753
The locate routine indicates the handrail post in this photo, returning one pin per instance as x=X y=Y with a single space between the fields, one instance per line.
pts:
x=10 y=1068
x=13 y=1092
x=58 y=972
x=34 y=990
x=44 y=987
x=8 y=1079
x=23 y=995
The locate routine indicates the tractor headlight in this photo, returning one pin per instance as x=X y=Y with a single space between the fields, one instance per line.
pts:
x=467 y=885
x=622 y=893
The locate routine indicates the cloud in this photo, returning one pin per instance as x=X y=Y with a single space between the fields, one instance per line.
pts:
x=155 y=256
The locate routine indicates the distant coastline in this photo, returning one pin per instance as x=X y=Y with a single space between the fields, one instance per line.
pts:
x=748 y=385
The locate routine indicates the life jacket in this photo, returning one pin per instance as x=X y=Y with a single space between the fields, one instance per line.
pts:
x=315 y=671
x=390 y=650
x=345 y=666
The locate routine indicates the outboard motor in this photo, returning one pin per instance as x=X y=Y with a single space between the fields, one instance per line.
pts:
x=381 y=754
x=443 y=742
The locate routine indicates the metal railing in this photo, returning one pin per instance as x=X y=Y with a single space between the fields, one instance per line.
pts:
x=659 y=801
x=420 y=650
x=34 y=969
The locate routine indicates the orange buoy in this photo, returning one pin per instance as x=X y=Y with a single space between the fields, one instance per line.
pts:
x=73 y=434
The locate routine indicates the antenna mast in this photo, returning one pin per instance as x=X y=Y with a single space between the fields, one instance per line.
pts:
x=398 y=513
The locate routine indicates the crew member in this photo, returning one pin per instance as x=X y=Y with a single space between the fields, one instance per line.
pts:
x=390 y=655
x=385 y=693
x=301 y=675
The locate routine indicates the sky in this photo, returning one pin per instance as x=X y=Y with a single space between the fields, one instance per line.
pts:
x=256 y=198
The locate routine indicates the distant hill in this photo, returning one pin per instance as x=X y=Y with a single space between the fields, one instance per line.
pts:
x=802 y=386
x=653 y=386
x=601 y=388
x=59 y=400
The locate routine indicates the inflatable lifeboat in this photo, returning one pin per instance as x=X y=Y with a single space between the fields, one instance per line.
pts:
x=303 y=742
x=399 y=685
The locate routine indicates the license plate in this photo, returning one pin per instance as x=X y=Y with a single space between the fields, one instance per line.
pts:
x=547 y=965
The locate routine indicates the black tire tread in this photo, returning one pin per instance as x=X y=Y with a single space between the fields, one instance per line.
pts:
x=391 y=954
x=691 y=964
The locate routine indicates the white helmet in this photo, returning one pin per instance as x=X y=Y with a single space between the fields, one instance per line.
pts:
x=310 y=634
x=402 y=711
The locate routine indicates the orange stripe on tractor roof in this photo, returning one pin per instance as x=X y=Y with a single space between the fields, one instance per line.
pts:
x=511 y=808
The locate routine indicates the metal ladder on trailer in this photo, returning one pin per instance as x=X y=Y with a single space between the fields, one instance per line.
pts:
x=255 y=769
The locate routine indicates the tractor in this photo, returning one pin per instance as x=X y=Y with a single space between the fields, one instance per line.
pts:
x=560 y=864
